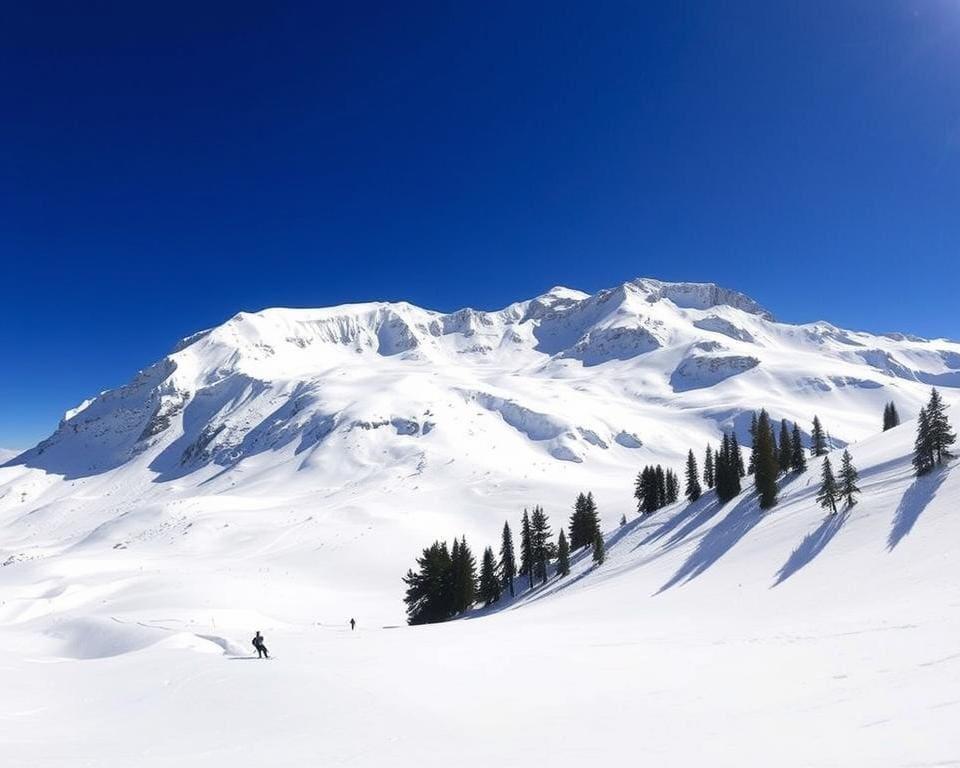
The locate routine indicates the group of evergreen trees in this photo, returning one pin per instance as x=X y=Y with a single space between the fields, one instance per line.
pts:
x=728 y=468
x=832 y=489
x=934 y=435
x=891 y=418
x=445 y=583
x=655 y=488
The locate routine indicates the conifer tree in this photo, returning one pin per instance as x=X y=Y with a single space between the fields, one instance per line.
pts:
x=563 y=555
x=540 y=531
x=429 y=595
x=923 y=452
x=623 y=521
x=752 y=465
x=489 y=591
x=508 y=560
x=693 y=489
x=818 y=438
x=725 y=471
x=579 y=526
x=708 y=467
x=941 y=435
x=737 y=458
x=848 y=479
x=599 y=549
x=526 y=549
x=829 y=493
x=891 y=418
x=464 y=575
x=673 y=487
x=786 y=448
x=798 y=457
x=767 y=466
x=661 y=487
x=894 y=416
x=593 y=516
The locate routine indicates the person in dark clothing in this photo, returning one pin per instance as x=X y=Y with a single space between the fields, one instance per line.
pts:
x=258 y=644
x=353 y=625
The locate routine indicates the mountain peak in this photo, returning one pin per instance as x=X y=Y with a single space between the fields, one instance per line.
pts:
x=698 y=296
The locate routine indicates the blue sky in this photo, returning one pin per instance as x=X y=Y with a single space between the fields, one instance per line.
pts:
x=165 y=165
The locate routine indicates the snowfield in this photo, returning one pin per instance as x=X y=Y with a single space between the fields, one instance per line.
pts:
x=282 y=471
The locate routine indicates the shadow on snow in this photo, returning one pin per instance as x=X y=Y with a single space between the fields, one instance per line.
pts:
x=718 y=540
x=812 y=545
x=911 y=506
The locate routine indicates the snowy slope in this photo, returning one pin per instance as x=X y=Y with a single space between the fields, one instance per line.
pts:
x=281 y=471
x=7 y=453
x=711 y=636
x=286 y=448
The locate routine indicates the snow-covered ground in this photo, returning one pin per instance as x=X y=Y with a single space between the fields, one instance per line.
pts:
x=711 y=636
x=281 y=472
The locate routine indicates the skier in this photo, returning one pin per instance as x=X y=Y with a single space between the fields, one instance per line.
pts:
x=353 y=625
x=258 y=644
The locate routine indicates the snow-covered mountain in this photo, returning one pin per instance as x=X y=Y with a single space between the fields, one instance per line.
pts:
x=342 y=439
x=282 y=470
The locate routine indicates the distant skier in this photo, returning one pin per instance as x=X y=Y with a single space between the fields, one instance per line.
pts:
x=261 y=648
x=353 y=625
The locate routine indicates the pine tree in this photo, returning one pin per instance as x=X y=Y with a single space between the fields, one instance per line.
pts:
x=941 y=435
x=649 y=492
x=540 y=528
x=599 y=549
x=798 y=457
x=579 y=529
x=752 y=465
x=894 y=416
x=708 y=476
x=848 y=479
x=508 y=561
x=489 y=591
x=726 y=470
x=923 y=451
x=786 y=448
x=661 y=487
x=891 y=418
x=673 y=487
x=526 y=549
x=693 y=489
x=737 y=458
x=563 y=555
x=428 y=595
x=829 y=493
x=464 y=575
x=592 y=516
x=623 y=521
x=767 y=467
x=818 y=438
x=585 y=519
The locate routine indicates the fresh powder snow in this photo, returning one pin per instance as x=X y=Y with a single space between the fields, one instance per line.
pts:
x=282 y=471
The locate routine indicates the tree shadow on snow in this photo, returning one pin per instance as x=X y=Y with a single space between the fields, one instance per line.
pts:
x=812 y=545
x=914 y=501
x=689 y=517
x=718 y=541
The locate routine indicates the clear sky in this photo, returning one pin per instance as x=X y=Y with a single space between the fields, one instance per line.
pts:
x=165 y=165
